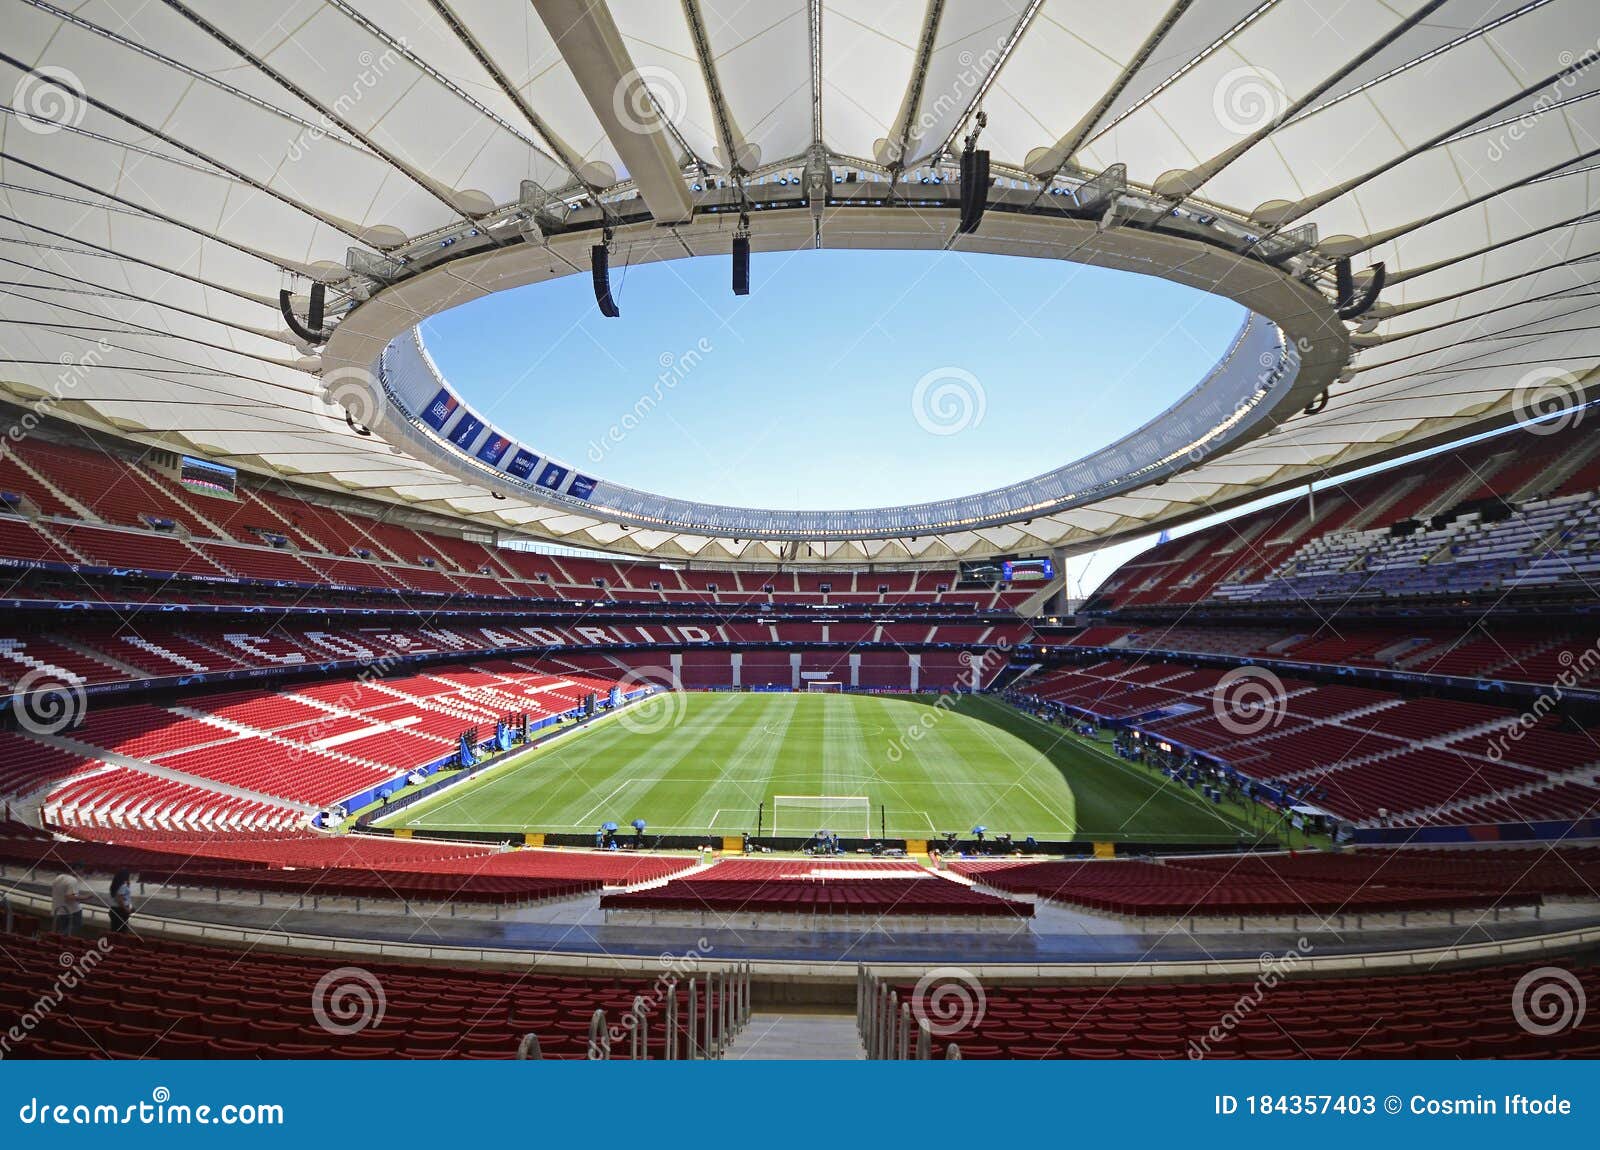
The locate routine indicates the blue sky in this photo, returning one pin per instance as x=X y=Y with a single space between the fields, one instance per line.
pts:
x=805 y=394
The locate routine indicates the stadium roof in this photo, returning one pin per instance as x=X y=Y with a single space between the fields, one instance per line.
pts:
x=168 y=167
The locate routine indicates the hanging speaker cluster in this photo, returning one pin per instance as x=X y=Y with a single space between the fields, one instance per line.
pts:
x=310 y=331
x=1349 y=304
x=741 y=257
x=974 y=189
x=600 y=267
x=741 y=265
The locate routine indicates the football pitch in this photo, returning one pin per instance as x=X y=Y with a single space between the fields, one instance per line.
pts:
x=703 y=763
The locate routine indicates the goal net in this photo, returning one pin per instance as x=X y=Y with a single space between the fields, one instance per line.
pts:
x=824 y=685
x=800 y=816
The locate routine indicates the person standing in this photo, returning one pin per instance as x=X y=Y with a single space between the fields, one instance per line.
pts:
x=121 y=901
x=66 y=903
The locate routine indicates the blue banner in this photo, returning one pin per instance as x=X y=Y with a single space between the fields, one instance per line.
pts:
x=1195 y=1105
x=493 y=448
x=466 y=430
x=440 y=409
x=522 y=463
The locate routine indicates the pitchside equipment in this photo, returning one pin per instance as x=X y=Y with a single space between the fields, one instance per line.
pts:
x=797 y=816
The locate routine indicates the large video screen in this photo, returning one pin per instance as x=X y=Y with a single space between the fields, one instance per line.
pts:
x=1008 y=569
x=1027 y=570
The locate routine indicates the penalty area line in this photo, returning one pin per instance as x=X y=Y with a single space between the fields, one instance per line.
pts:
x=583 y=818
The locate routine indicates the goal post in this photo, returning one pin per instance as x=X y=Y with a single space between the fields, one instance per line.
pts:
x=800 y=816
x=824 y=685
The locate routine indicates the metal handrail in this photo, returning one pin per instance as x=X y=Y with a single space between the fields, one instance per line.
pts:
x=639 y=1036
x=599 y=1036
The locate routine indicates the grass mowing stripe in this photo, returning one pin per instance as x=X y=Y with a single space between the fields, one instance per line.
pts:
x=655 y=757
x=757 y=748
x=1067 y=818
x=971 y=761
x=1142 y=779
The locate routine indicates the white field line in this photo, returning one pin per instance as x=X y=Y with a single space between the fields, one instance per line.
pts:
x=583 y=818
x=1183 y=792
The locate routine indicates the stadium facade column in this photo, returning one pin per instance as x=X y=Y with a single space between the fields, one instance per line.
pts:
x=794 y=671
x=737 y=663
x=1061 y=602
x=916 y=671
x=855 y=668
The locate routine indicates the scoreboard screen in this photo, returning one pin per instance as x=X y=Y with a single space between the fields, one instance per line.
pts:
x=1008 y=570
x=1027 y=571
x=204 y=476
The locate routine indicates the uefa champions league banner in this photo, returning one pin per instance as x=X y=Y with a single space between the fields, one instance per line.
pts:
x=414 y=383
x=1196 y=1105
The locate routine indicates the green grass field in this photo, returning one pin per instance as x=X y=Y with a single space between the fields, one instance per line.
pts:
x=703 y=763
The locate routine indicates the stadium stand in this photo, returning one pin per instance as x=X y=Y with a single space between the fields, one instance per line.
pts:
x=254 y=855
x=880 y=890
x=88 y=503
x=235 y=764
x=1418 y=532
x=175 y=1000
x=1314 y=885
x=1364 y=754
x=1452 y=589
x=1438 y=1014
